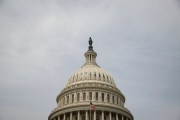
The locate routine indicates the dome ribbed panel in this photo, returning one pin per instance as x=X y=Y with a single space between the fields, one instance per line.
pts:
x=90 y=72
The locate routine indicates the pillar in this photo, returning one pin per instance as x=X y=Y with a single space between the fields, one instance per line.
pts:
x=86 y=115
x=122 y=118
x=116 y=116
x=59 y=117
x=94 y=115
x=78 y=115
x=70 y=115
x=102 y=115
x=64 y=116
x=110 y=118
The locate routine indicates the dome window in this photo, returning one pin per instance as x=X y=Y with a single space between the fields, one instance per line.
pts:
x=78 y=96
x=107 y=78
x=103 y=77
x=90 y=95
x=94 y=75
x=64 y=101
x=117 y=100
x=102 y=97
x=97 y=96
x=72 y=97
x=67 y=99
x=108 y=98
x=84 y=96
x=99 y=76
x=113 y=99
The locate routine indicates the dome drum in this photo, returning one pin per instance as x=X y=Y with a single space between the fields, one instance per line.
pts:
x=86 y=95
x=91 y=87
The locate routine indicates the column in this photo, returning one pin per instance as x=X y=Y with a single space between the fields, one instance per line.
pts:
x=70 y=115
x=110 y=116
x=94 y=115
x=102 y=115
x=122 y=118
x=86 y=115
x=59 y=117
x=116 y=116
x=64 y=116
x=78 y=115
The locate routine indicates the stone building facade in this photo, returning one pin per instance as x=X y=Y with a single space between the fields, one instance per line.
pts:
x=90 y=83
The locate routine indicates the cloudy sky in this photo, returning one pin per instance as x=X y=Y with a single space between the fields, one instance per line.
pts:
x=43 y=41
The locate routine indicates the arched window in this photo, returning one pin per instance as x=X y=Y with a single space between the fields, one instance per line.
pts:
x=113 y=99
x=64 y=101
x=108 y=98
x=78 y=96
x=84 y=96
x=72 y=97
x=103 y=77
x=90 y=95
x=102 y=96
x=94 y=75
x=90 y=75
x=67 y=99
x=96 y=95
x=117 y=100
x=90 y=57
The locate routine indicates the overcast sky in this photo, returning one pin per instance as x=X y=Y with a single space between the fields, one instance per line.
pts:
x=42 y=42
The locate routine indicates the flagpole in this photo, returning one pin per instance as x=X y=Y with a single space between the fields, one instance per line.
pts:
x=90 y=109
x=90 y=113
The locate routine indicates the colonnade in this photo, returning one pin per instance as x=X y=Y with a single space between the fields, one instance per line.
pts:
x=87 y=95
x=95 y=115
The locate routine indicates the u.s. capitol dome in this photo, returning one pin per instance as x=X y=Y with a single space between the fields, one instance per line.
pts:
x=90 y=83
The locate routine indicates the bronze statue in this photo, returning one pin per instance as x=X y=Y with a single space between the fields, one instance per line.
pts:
x=90 y=41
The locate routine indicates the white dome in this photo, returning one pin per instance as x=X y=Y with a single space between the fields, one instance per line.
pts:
x=91 y=73
x=88 y=84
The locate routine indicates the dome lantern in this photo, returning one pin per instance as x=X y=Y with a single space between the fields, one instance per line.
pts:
x=90 y=54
